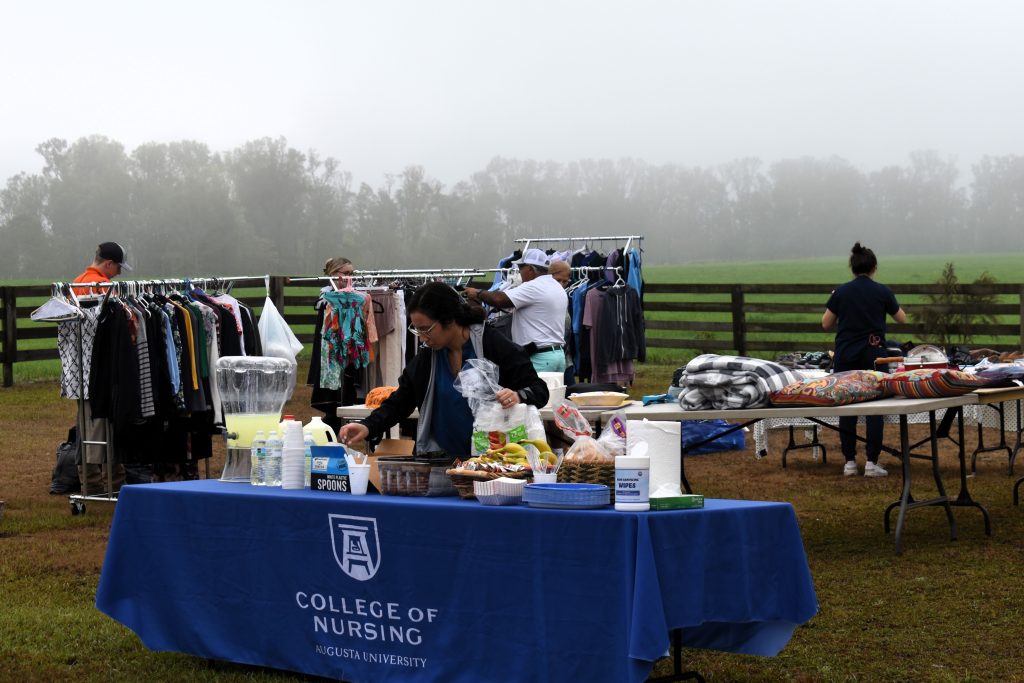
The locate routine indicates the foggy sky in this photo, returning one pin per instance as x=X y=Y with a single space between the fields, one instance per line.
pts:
x=448 y=85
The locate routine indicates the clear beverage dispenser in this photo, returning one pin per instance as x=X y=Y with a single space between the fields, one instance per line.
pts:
x=253 y=391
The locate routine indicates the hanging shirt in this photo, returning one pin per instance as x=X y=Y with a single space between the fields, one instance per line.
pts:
x=343 y=340
x=147 y=407
x=600 y=323
x=231 y=304
x=73 y=371
x=172 y=354
x=635 y=278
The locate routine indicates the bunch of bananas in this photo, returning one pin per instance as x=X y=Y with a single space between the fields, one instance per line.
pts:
x=509 y=458
x=512 y=457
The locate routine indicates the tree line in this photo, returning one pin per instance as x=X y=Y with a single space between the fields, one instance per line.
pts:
x=182 y=209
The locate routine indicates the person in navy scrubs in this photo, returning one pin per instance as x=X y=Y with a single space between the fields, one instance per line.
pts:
x=858 y=311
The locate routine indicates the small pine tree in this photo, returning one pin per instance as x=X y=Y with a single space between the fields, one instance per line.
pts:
x=951 y=314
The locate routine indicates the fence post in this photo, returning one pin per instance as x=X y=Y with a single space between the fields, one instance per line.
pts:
x=1020 y=318
x=277 y=291
x=10 y=299
x=739 y=321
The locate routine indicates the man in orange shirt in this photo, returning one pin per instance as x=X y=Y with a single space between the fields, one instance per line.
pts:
x=107 y=264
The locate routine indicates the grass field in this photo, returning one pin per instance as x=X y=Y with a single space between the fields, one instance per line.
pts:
x=1005 y=267
x=950 y=612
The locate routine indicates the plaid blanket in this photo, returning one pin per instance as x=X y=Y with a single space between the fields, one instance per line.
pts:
x=718 y=382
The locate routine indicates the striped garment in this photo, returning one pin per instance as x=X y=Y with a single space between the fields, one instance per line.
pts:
x=718 y=382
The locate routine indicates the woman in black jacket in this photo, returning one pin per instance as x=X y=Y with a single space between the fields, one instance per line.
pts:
x=451 y=332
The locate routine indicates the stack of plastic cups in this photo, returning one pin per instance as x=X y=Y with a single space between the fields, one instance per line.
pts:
x=293 y=461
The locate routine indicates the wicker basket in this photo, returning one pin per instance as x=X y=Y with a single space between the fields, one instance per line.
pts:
x=407 y=477
x=463 y=480
x=588 y=473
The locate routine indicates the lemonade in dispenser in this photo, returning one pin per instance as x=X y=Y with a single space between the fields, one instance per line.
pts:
x=253 y=391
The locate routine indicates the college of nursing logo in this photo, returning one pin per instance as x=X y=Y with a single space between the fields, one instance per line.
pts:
x=356 y=545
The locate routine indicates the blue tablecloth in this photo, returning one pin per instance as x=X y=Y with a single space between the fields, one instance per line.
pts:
x=380 y=588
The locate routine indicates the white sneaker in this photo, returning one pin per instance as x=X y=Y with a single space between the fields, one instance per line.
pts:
x=873 y=470
x=850 y=468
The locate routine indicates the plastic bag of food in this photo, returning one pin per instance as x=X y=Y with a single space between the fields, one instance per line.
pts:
x=588 y=450
x=585 y=448
x=493 y=425
x=570 y=420
x=613 y=436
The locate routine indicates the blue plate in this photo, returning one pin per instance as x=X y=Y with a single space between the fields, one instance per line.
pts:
x=576 y=496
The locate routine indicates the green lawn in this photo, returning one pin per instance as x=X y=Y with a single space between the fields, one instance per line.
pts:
x=1004 y=267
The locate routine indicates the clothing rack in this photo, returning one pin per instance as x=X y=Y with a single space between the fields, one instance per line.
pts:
x=526 y=241
x=372 y=277
x=575 y=269
x=143 y=285
x=78 y=500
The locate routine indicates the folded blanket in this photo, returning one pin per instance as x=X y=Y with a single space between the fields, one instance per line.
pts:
x=711 y=381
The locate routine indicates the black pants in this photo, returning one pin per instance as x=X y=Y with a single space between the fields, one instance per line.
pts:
x=874 y=425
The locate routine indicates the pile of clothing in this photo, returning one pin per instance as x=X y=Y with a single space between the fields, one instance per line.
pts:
x=964 y=355
x=812 y=360
x=711 y=381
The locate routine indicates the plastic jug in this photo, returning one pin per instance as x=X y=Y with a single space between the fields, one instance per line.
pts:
x=281 y=426
x=322 y=432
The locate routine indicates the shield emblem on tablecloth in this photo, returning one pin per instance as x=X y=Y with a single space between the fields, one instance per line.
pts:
x=356 y=545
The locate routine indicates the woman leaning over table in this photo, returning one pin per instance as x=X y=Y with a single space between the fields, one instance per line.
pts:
x=451 y=332
x=859 y=307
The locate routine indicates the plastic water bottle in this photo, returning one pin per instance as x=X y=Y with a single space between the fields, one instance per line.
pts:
x=307 y=439
x=275 y=449
x=257 y=460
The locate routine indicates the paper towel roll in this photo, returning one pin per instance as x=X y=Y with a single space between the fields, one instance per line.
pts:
x=664 y=449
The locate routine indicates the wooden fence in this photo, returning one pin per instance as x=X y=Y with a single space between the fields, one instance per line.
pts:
x=691 y=318
x=754 y=319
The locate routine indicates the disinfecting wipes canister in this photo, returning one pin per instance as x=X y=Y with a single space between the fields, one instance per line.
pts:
x=632 y=482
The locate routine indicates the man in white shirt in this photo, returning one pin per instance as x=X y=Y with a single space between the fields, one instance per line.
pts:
x=539 y=307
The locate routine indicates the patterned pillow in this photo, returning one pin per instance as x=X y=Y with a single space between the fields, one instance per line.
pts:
x=837 y=389
x=932 y=383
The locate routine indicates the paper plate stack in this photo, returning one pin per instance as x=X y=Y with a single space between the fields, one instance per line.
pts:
x=566 y=496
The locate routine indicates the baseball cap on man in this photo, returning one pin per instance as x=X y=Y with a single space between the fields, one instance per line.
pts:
x=534 y=257
x=112 y=251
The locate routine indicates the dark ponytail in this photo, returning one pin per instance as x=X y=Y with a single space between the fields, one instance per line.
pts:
x=440 y=302
x=862 y=260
